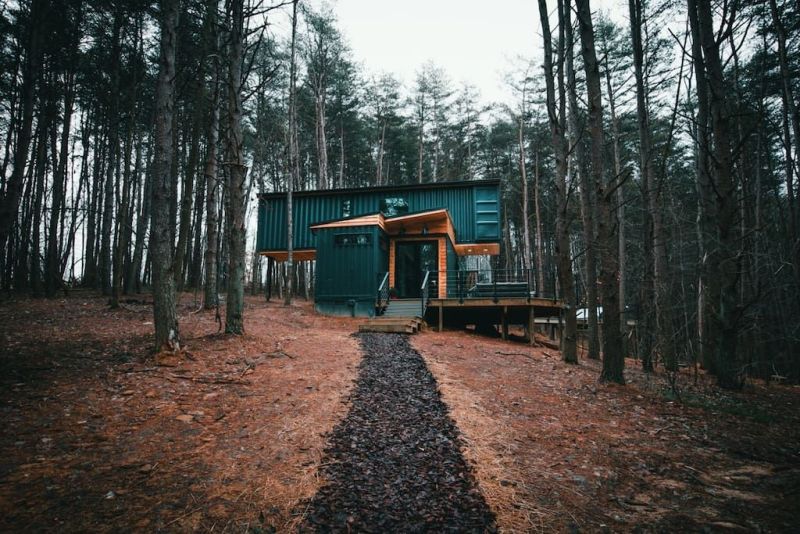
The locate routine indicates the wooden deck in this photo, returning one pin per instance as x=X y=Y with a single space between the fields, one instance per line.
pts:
x=502 y=311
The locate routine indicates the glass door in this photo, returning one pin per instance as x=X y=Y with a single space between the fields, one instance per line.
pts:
x=412 y=259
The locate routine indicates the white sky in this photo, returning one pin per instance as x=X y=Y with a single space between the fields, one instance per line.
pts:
x=475 y=41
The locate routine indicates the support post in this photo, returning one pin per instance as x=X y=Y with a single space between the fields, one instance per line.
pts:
x=505 y=323
x=441 y=315
x=531 y=325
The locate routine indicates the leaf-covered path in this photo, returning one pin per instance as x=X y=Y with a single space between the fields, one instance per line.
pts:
x=394 y=463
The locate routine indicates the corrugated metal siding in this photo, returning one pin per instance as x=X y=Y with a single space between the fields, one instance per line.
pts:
x=460 y=201
x=347 y=271
x=487 y=214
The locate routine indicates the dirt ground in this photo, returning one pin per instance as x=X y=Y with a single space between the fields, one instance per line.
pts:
x=101 y=435
x=556 y=451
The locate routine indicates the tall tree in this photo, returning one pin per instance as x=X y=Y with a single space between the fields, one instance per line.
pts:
x=559 y=142
x=660 y=287
x=294 y=170
x=211 y=291
x=724 y=257
x=613 y=356
x=237 y=173
x=162 y=252
x=11 y=196
x=587 y=195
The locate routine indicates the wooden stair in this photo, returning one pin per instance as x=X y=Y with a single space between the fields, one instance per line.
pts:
x=398 y=325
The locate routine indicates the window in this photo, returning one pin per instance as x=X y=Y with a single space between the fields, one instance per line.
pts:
x=394 y=206
x=343 y=240
x=347 y=208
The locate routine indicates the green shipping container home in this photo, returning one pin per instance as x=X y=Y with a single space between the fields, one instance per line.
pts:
x=407 y=239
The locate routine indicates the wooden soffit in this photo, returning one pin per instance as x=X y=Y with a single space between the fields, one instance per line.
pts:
x=477 y=249
x=297 y=255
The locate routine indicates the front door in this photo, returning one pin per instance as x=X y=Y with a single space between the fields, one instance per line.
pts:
x=412 y=259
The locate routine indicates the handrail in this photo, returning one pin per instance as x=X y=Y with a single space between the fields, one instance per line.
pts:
x=424 y=288
x=383 y=292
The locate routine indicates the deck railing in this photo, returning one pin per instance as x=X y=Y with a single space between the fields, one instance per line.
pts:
x=382 y=299
x=495 y=284
x=426 y=282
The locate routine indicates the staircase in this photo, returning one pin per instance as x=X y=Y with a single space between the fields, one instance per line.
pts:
x=400 y=316
x=403 y=308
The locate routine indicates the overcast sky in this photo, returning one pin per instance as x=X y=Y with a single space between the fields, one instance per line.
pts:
x=475 y=41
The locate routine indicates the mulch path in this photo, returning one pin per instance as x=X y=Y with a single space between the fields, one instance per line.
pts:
x=394 y=463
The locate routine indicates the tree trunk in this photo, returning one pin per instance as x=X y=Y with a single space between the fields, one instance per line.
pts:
x=322 y=142
x=586 y=196
x=122 y=225
x=559 y=142
x=112 y=163
x=9 y=204
x=210 y=286
x=618 y=171
x=189 y=179
x=164 y=311
x=294 y=174
x=724 y=304
x=526 y=233
x=663 y=317
x=537 y=215
x=54 y=272
x=237 y=172
x=145 y=193
x=613 y=357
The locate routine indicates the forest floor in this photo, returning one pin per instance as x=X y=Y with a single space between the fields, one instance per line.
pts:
x=100 y=434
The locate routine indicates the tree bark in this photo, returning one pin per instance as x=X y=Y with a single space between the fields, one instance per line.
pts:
x=211 y=290
x=164 y=310
x=237 y=172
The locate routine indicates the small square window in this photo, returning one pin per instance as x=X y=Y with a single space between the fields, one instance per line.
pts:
x=347 y=208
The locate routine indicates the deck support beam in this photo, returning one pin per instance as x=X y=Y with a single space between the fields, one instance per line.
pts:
x=505 y=323
x=531 y=325
x=441 y=316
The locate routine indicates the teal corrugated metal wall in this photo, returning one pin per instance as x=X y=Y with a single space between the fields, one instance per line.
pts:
x=348 y=271
x=473 y=220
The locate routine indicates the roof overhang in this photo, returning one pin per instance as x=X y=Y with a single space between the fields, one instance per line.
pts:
x=425 y=222
x=297 y=255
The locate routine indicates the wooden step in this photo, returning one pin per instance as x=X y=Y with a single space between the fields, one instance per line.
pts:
x=402 y=325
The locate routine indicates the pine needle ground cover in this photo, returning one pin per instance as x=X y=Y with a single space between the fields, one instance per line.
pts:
x=101 y=435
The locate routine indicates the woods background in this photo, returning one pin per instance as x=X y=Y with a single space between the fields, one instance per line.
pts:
x=650 y=165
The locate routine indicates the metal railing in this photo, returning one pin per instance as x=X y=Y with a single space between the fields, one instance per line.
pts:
x=382 y=299
x=424 y=291
x=495 y=284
